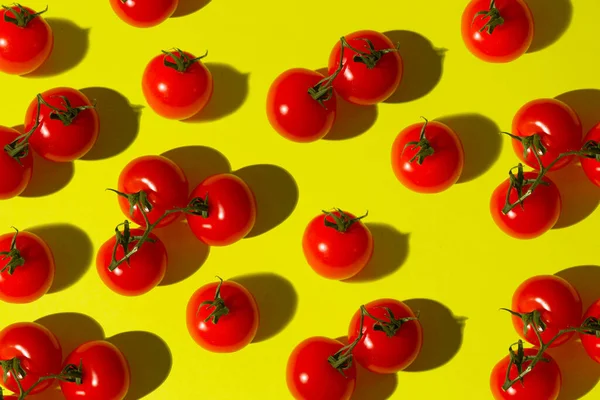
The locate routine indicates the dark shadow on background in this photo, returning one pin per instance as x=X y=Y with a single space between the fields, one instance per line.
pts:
x=585 y=279
x=187 y=7
x=277 y=302
x=72 y=250
x=351 y=120
x=149 y=359
x=580 y=373
x=390 y=251
x=579 y=196
x=72 y=329
x=119 y=122
x=551 y=19
x=229 y=93
x=276 y=194
x=198 y=162
x=442 y=334
x=372 y=386
x=423 y=66
x=586 y=103
x=481 y=139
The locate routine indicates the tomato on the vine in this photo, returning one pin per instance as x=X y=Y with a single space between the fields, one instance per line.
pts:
x=591 y=166
x=428 y=157
x=222 y=317
x=591 y=343
x=497 y=30
x=26 y=40
x=144 y=14
x=16 y=174
x=177 y=85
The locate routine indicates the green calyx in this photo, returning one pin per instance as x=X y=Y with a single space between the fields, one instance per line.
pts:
x=371 y=57
x=181 y=61
x=134 y=199
x=531 y=320
x=343 y=359
x=66 y=115
x=198 y=206
x=495 y=19
x=390 y=327
x=323 y=90
x=533 y=142
x=423 y=147
x=12 y=366
x=21 y=16
x=341 y=222
x=14 y=257
x=217 y=304
x=124 y=240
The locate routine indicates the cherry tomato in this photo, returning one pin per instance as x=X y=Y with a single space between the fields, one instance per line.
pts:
x=15 y=176
x=428 y=157
x=372 y=68
x=392 y=337
x=590 y=166
x=294 y=113
x=164 y=184
x=145 y=269
x=337 y=245
x=222 y=317
x=106 y=373
x=69 y=125
x=38 y=351
x=144 y=14
x=230 y=210
x=27 y=266
x=177 y=85
x=26 y=40
x=497 y=31
x=557 y=125
x=310 y=376
x=591 y=343
x=538 y=214
x=542 y=383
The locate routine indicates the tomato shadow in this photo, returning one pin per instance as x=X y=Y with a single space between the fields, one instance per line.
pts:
x=198 y=162
x=277 y=302
x=371 y=386
x=423 y=65
x=552 y=19
x=579 y=196
x=70 y=47
x=586 y=103
x=276 y=194
x=229 y=93
x=585 y=279
x=187 y=7
x=72 y=329
x=351 y=120
x=119 y=122
x=580 y=373
x=72 y=250
x=442 y=334
x=390 y=251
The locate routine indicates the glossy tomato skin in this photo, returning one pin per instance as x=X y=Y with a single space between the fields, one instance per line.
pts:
x=358 y=84
x=557 y=124
x=173 y=94
x=291 y=110
x=311 y=377
x=15 y=177
x=508 y=41
x=145 y=271
x=591 y=343
x=231 y=210
x=144 y=14
x=337 y=255
x=233 y=331
x=542 y=383
x=164 y=182
x=557 y=301
x=590 y=166
x=439 y=171
x=31 y=280
x=539 y=213
x=24 y=49
x=379 y=353
x=52 y=139
x=37 y=349
x=106 y=373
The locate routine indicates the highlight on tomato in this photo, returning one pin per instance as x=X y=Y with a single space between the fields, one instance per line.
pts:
x=144 y=14
x=591 y=339
x=16 y=164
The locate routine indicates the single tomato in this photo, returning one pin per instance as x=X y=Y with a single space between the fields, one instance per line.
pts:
x=16 y=171
x=591 y=166
x=591 y=343
x=144 y=14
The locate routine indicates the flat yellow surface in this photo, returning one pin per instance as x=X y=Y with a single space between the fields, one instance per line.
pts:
x=442 y=253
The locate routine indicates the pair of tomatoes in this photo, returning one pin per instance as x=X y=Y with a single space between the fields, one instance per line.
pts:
x=385 y=337
x=31 y=354
x=364 y=69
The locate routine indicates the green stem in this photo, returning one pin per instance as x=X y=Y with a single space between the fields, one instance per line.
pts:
x=371 y=58
x=495 y=19
x=15 y=259
x=68 y=115
x=391 y=327
x=342 y=222
x=342 y=360
x=323 y=90
x=19 y=148
x=424 y=146
x=220 y=309
x=22 y=17
x=182 y=62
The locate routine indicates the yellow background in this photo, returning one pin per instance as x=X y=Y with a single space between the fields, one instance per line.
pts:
x=442 y=249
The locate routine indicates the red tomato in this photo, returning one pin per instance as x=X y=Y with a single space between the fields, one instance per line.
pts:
x=310 y=376
x=69 y=125
x=230 y=210
x=144 y=14
x=164 y=183
x=106 y=374
x=558 y=126
x=590 y=166
x=337 y=245
x=557 y=302
x=222 y=317
x=390 y=343
x=497 y=31
x=177 y=85
x=591 y=343
x=15 y=176
x=26 y=40
x=428 y=157
x=37 y=350
x=539 y=213
x=542 y=383
x=27 y=267
x=293 y=112
x=372 y=68
x=145 y=270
